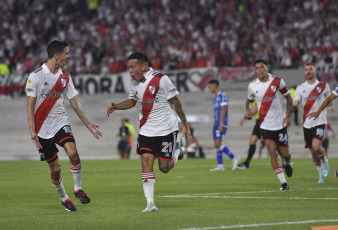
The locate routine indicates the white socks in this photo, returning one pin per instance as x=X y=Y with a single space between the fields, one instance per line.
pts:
x=148 y=179
x=76 y=171
x=60 y=189
x=280 y=175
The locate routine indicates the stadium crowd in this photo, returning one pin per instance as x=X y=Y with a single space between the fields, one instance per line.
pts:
x=174 y=34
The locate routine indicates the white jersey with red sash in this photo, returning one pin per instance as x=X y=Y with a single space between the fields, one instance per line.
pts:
x=312 y=96
x=157 y=115
x=50 y=90
x=269 y=99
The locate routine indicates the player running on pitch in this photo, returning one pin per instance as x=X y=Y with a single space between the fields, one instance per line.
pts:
x=268 y=91
x=49 y=123
x=160 y=106
x=312 y=93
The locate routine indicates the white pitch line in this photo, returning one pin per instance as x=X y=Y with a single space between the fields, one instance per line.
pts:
x=251 y=197
x=261 y=225
x=247 y=192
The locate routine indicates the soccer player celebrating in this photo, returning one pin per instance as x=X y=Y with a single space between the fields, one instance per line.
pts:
x=268 y=91
x=220 y=102
x=312 y=93
x=49 y=123
x=158 y=121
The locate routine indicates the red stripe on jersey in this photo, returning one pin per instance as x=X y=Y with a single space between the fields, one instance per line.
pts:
x=52 y=97
x=149 y=96
x=268 y=98
x=311 y=99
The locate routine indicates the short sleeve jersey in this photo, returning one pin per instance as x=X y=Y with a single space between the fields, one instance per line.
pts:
x=269 y=99
x=42 y=84
x=335 y=91
x=221 y=99
x=312 y=95
x=157 y=115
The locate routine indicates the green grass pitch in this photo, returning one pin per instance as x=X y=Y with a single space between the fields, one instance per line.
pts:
x=188 y=197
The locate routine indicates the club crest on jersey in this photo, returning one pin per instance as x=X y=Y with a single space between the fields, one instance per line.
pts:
x=319 y=89
x=63 y=82
x=152 y=89
x=273 y=88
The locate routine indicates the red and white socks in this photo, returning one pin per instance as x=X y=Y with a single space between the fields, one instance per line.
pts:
x=280 y=175
x=60 y=188
x=148 y=180
x=76 y=171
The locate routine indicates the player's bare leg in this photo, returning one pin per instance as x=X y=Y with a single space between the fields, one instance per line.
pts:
x=319 y=160
x=148 y=180
x=272 y=150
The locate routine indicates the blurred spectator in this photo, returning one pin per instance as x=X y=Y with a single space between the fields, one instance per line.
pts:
x=225 y=33
x=4 y=69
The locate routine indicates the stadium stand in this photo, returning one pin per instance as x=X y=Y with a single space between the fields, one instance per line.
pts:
x=174 y=34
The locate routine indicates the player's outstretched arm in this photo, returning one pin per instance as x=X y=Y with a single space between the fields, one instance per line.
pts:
x=325 y=103
x=179 y=110
x=81 y=114
x=126 y=104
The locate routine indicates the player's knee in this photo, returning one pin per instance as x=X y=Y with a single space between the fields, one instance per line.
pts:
x=164 y=168
x=73 y=156
x=316 y=148
x=56 y=170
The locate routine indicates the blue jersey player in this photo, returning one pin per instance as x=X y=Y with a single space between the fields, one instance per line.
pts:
x=220 y=102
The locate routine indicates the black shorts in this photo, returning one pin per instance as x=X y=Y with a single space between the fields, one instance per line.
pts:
x=315 y=132
x=281 y=137
x=162 y=146
x=325 y=143
x=123 y=145
x=256 y=130
x=49 y=151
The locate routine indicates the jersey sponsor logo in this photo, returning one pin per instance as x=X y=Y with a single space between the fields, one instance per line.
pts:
x=173 y=90
x=29 y=90
x=51 y=95
x=149 y=102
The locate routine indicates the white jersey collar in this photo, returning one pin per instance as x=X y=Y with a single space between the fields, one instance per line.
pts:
x=47 y=70
x=146 y=74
